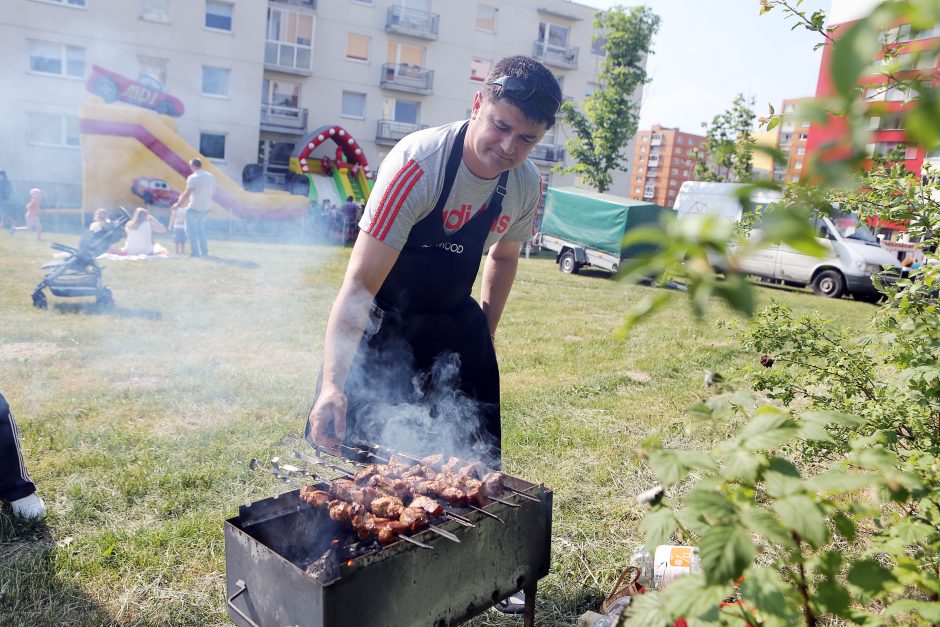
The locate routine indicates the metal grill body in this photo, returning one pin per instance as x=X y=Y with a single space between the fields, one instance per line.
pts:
x=270 y=542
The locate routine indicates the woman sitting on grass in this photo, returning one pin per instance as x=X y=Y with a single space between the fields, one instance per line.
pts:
x=140 y=232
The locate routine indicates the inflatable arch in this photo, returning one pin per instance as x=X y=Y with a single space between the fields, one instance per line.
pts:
x=352 y=173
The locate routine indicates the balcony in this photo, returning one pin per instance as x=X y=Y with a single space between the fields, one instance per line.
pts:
x=565 y=58
x=278 y=119
x=653 y=163
x=410 y=78
x=388 y=132
x=657 y=140
x=412 y=22
x=548 y=153
x=289 y=58
x=305 y=4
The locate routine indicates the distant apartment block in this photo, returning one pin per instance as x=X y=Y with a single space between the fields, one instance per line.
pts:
x=662 y=162
x=788 y=139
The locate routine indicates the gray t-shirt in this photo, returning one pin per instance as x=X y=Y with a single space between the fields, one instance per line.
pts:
x=411 y=178
x=203 y=185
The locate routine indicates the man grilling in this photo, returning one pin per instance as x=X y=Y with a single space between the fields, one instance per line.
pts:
x=404 y=326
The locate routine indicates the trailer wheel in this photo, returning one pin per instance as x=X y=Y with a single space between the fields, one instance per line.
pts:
x=567 y=263
x=829 y=283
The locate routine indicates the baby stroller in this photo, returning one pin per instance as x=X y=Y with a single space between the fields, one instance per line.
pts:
x=79 y=274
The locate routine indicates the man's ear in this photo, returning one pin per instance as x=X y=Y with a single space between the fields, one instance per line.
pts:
x=477 y=103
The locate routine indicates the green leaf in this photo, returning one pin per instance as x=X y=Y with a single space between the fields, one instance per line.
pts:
x=929 y=611
x=871 y=577
x=844 y=525
x=710 y=503
x=765 y=590
x=826 y=418
x=691 y=596
x=763 y=522
x=743 y=465
x=658 y=527
x=832 y=597
x=814 y=433
x=802 y=515
x=668 y=466
x=726 y=551
x=852 y=52
x=837 y=481
x=768 y=430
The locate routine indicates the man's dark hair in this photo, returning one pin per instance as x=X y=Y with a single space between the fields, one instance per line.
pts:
x=546 y=94
x=349 y=198
x=196 y=163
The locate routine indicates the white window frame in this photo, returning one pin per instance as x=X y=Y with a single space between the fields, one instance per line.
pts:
x=63 y=59
x=343 y=112
x=63 y=130
x=228 y=82
x=482 y=77
x=224 y=137
x=70 y=4
x=294 y=46
x=476 y=21
x=368 y=48
x=216 y=29
x=151 y=18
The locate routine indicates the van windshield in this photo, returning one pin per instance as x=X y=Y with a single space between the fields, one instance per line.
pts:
x=851 y=227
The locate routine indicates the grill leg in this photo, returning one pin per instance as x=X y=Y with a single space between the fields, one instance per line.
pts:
x=528 y=617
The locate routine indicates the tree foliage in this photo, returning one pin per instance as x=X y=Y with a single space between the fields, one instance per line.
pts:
x=827 y=502
x=725 y=155
x=610 y=117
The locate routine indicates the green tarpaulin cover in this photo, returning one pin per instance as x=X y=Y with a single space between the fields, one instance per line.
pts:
x=596 y=220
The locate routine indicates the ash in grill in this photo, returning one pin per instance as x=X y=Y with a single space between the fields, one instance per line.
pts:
x=314 y=557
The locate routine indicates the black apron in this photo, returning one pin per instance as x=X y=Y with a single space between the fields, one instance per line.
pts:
x=425 y=377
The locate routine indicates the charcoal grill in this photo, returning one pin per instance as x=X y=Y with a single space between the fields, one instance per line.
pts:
x=271 y=543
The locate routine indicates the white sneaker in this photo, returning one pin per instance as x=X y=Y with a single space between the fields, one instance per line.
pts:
x=29 y=507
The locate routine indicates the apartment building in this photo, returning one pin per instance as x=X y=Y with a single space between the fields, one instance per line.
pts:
x=662 y=162
x=789 y=138
x=256 y=77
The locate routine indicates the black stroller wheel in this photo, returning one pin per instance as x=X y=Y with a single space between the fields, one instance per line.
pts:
x=104 y=298
x=39 y=300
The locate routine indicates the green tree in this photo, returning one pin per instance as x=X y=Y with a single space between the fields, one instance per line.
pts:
x=610 y=117
x=725 y=155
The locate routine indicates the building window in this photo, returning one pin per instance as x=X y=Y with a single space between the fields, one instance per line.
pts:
x=640 y=169
x=354 y=105
x=219 y=15
x=357 y=47
x=645 y=138
x=674 y=171
x=56 y=59
x=795 y=178
x=366 y=2
x=155 y=10
x=637 y=190
x=797 y=165
x=801 y=150
x=404 y=54
x=289 y=40
x=599 y=45
x=52 y=129
x=153 y=67
x=804 y=137
x=70 y=3
x=282 y=96
x=672 y=183
x=686 y=174
x=553 y=36
x=898 y=94
x=212 y=145
x=642 y=148
x=479 y=68
x=486 y=18
x=215 y=81
x=407 y=111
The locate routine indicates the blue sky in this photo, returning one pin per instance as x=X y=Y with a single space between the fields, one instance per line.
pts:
x=707 y=51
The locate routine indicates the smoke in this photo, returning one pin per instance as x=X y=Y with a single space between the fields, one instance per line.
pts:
x=395 y=404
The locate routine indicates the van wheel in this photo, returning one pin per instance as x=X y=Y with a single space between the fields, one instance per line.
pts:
x=829 y=283
x=567 y=264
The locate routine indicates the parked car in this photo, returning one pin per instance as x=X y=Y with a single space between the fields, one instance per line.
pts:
x=145 y=92
x=154 y=191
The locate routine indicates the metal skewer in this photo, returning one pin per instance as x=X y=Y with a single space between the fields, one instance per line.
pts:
x=523 y=494
x=458 y=518
x=507 y=503
x=486 y=513
x=415 y=542
x=444 y=534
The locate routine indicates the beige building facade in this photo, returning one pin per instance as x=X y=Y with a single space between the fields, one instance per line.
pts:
x=257 y=77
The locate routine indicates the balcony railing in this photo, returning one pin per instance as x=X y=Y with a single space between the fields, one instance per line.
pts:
x=413 y=22
x=306 y=4
x=388 y=132
x=566 y=58
x=280 y=119
x=410 y=78
x=657 y=140
x=548 y=153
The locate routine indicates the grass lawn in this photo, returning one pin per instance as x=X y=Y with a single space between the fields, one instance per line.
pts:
x=138 y=422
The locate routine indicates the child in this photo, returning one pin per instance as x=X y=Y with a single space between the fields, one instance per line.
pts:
x=15 y=484
x=178 y=226
x=102 y=219
x=32 y=212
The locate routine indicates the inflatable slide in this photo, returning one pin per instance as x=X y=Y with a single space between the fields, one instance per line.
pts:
x=131 y=154
x=349 y=171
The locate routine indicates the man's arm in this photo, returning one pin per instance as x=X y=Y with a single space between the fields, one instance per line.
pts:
x=499 y=272
x=181 y=201
x=369 y=265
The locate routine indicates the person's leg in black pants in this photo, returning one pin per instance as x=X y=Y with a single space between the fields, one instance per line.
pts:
x=15 y=484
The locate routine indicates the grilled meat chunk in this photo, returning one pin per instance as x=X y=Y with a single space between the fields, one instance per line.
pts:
x=387 y=507
x=493 y=484
x=365 y=473
x=414 y=518
x=389 y=531
x=431 y=507
x=314 y=496
x=476 y=470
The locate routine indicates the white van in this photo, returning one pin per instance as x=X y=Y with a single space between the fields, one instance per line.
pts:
x=854 y=253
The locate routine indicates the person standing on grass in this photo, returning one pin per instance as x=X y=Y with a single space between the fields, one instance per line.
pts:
x=442 y=197
x=15 y=484
x=33 y=207
x=196 y=199
x=178 y=228
x=7 y=218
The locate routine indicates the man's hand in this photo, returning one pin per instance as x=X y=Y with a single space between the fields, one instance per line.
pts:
x=328 y=418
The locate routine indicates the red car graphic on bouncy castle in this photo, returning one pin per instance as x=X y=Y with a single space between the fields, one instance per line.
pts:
x=154 y=191
x=146 y=92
